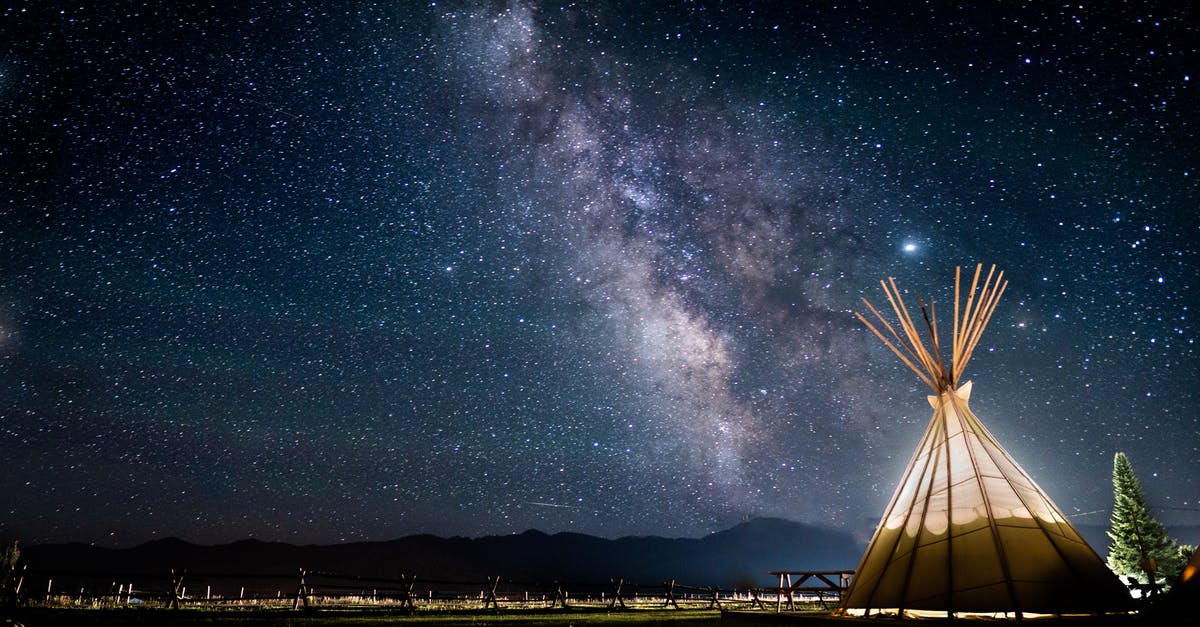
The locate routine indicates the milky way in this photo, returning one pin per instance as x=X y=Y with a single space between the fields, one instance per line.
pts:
x=320 y=274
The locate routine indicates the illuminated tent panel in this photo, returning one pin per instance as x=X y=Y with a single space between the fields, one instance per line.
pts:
x=967 y=530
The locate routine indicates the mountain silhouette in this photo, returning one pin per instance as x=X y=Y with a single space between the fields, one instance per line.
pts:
x=739 y=556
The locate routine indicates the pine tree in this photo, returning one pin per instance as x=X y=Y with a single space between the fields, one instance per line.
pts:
x=1140 y=546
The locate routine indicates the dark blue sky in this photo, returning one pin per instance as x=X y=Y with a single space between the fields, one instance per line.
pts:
x=320 y=273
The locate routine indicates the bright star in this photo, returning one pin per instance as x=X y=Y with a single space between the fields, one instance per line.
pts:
x=910 y=248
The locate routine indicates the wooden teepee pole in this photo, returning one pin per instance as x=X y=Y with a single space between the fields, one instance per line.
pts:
x=980 y=305
x=970 y=319
x=910 y=329
x=975 y=318
x=962 y=329
x=930 y=315
x=954 y=338
x=899 y=340
x=897 y=351
x=990 y=309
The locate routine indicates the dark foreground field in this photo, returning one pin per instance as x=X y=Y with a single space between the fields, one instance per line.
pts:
x=825 y=619
x=41 y=617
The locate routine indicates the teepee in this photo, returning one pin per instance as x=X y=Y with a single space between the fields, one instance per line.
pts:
x=967 y=530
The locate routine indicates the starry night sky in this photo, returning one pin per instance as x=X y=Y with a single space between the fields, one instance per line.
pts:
x=345 y=271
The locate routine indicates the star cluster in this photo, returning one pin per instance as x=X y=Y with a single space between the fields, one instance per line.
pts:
x=328 y=272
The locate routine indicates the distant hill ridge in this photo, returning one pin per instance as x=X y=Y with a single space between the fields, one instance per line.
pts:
x=738 y=556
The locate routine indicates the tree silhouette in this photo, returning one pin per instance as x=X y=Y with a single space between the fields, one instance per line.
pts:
x=1140 y=546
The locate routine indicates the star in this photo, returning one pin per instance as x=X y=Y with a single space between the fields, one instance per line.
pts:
x=273 y=258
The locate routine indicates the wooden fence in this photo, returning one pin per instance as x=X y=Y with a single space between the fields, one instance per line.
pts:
x=308 y=589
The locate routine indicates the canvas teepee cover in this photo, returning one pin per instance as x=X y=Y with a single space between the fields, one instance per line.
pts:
x=968 y=531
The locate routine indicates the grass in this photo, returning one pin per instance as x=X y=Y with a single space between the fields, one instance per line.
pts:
x=34 y=616
x=645 y=615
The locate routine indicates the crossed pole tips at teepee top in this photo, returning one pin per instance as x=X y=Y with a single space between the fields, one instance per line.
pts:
x=927 y=361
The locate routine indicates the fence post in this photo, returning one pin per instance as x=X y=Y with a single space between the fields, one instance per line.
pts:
x=716 y=597
x=490 y=600
x=406 y=591
x=559 y=596
x=757 y=601
x=16 y=578
x=616 y=586
x=670 y=588
x=176 y=586
x=301 y=592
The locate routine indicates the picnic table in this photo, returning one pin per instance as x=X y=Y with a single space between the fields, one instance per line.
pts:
x=823 y=582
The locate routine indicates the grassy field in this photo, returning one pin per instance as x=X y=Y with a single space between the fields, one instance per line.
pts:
x=36 y=617
x=525 y=617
